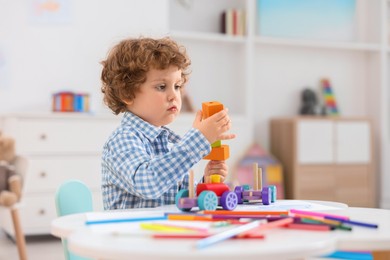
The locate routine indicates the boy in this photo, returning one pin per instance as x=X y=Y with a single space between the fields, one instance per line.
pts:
x=144 y=163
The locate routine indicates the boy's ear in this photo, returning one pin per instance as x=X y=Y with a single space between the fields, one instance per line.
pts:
x=128 y=102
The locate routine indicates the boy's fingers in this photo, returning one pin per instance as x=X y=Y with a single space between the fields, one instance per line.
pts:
x=227 y=136
x=199 y=116
x=220 y=115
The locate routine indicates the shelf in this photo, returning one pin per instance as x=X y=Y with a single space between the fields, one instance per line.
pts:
x=205 y=36
x=353 y=46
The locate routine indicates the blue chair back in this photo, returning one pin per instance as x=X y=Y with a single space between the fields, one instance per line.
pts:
x=73 y=197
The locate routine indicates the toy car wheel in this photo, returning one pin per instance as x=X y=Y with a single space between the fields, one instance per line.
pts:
x=246 y=187
x=229 y=200
x=239 y=190
x=207 y=200
x=273 y=193
x=266 y=195
x=181 y=194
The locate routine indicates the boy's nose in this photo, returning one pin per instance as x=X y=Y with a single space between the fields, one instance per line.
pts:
x=172 y=95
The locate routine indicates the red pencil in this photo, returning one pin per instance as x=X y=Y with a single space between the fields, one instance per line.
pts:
x=269 y=225
x=316 y=227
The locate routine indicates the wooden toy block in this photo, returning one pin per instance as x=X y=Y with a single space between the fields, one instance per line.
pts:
x=218 y=153
x=191 y=191
x=210 y=108
x=215 y=178
x=217 y=188
x=216 y=144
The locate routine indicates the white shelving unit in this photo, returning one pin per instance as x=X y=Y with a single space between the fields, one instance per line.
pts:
x=261 y=77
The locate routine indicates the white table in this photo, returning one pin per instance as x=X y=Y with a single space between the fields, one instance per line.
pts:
x=278 y=244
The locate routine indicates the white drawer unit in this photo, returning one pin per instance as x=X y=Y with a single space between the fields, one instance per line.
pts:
x=59 y=147
x=327 y=158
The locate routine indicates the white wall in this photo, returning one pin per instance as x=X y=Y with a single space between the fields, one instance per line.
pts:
x=38 y=59
x=282 y=73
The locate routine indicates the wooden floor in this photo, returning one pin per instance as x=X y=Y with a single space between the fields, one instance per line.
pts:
x=38 y=248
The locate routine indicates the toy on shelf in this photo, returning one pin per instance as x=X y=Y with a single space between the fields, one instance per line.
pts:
x=70 y=102
x=271 y=168
x=309 y=102
x=329 y=98
x=258 y=193
x=208 y=195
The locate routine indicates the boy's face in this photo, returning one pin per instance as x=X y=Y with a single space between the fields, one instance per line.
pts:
x=159 y=98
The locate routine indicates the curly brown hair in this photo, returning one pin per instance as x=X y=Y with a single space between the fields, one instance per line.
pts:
x=127 y=63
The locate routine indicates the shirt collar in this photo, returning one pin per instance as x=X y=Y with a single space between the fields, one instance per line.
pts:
x=150 y=131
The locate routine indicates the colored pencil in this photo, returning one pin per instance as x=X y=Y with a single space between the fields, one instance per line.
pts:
x=320 y=219
x=211 y=240
x=316 y=227
x=121 y=220
x=351 y=222
x=269 y=218
x=269 y=225
x=333 y=226
x=316 y=214
x=171 y=228
x=199 y=236
x=189 y=217
x=244 y=213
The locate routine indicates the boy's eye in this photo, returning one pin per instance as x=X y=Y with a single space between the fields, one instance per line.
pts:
x=160 y=87
x=178 y=87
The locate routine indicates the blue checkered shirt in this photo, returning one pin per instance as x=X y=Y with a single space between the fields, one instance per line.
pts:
x=145 y=166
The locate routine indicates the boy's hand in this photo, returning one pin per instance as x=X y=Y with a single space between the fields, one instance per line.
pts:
x=216 y=167
x=215 y=126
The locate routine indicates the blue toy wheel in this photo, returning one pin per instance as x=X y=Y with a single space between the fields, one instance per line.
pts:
x=266 y=195
x=273 y=193
x=239 y=190
x=207 y=200
x=181 y=194
x=229 y=200
x=246 y=187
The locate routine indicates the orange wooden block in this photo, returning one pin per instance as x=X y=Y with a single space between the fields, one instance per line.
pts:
x=218 y=153
x=210 y=108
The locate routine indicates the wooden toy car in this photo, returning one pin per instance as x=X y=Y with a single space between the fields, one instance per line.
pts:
x=209 y=196
x=266 y=195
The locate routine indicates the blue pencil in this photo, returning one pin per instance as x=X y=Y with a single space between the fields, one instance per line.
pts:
x=202 y=243
x=356 y=223
x=121 y=220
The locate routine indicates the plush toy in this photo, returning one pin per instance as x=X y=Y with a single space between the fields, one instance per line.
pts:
x=10 y=181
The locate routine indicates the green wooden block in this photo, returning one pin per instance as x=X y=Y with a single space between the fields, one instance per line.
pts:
x=216 y=144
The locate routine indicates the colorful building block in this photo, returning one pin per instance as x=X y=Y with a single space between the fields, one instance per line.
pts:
x=216 y=144
x=218 y=153
x=329 y=98
x=210 y=108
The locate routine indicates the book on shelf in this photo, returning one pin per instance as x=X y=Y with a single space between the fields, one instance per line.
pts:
x=233 y=22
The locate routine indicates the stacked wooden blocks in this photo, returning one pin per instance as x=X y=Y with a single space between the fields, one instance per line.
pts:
x=329 y=98
x=219 y=152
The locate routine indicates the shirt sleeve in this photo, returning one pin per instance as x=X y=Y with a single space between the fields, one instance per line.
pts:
x=135 y=169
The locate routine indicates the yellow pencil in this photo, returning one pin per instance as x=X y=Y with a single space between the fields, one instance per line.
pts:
x=170 y=228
